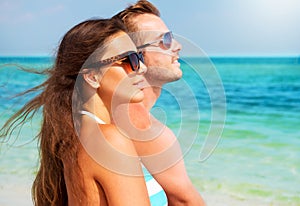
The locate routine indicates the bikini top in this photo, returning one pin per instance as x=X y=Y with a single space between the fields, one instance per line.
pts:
x=94 y=117
x=155 y=191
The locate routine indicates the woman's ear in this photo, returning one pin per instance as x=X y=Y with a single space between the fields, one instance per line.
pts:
x=92 y=78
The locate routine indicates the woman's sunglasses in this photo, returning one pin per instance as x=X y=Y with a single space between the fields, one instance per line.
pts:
x=132 y=58
x=166 y=41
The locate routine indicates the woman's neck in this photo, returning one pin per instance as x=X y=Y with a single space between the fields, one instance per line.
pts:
x=95 y=106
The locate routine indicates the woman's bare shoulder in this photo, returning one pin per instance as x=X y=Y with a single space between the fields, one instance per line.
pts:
x=107 y=149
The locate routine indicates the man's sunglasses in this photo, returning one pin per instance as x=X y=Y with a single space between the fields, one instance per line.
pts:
x=166 y=41
x=132 y=58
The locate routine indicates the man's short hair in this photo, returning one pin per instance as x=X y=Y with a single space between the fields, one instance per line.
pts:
x=141 y=7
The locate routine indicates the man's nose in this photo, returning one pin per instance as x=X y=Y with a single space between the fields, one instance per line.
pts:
x=176 y=47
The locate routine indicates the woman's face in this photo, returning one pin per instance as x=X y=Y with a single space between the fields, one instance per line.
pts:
x=118 y=82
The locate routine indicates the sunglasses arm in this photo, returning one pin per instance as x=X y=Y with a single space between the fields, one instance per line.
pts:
x=148 y=44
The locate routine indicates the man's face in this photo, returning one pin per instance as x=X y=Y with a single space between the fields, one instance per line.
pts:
x=162 y=63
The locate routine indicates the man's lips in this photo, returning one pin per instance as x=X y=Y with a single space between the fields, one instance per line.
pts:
x=175 y=60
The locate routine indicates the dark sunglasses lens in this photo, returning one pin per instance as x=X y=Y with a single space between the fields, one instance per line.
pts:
x=134 y=61
x=141 y=57
x=167 y=40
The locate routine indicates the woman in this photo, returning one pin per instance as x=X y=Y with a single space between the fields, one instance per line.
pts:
x=88 y=162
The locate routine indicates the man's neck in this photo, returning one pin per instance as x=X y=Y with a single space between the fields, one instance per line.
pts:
x=151 y=94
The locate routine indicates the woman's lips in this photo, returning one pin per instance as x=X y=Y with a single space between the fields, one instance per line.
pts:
x=139 y=84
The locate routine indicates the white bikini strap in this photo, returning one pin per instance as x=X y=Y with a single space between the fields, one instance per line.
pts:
x=91 y=115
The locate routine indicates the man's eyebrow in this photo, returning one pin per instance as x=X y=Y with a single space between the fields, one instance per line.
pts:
x=157 y=34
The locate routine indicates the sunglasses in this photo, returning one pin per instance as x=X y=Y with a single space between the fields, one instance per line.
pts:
x=132 y=58
x=166 y=41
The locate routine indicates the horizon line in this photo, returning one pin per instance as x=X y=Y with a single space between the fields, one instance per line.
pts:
x=182 y=56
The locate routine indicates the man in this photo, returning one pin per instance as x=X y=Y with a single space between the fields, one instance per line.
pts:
x=160 y=151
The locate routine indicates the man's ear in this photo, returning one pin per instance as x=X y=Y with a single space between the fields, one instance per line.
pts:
x=92 y=78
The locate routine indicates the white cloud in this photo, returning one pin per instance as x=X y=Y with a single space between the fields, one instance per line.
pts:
x=53 y=10
x=218 y=26
x=7 y=9
x=16 y=12
x=12 y=12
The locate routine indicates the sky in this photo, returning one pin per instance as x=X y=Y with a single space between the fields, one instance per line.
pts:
x=218 y=27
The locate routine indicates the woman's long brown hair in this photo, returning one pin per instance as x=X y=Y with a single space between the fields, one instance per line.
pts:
x=58 y=141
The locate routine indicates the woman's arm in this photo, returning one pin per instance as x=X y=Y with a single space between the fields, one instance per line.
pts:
x=112 y=161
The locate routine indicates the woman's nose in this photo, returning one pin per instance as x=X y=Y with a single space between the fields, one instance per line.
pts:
x=143 y=68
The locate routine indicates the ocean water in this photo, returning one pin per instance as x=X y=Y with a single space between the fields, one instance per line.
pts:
x=257 y=155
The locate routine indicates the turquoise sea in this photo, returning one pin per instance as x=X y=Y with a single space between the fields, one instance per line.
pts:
x=256 y=158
